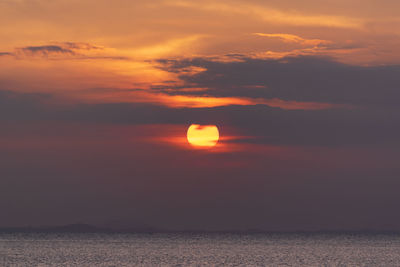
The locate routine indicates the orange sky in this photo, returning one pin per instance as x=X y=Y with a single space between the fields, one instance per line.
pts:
x=115 y=46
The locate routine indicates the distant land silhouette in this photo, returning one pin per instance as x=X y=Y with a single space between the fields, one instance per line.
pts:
x=75 y=228
x=87 y=228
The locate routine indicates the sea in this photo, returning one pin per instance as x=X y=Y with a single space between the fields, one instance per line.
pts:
x=199 y=249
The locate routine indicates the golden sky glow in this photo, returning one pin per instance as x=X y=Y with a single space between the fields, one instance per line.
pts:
x=79 y=48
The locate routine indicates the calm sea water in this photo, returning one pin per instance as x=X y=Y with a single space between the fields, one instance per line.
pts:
x=198 y=250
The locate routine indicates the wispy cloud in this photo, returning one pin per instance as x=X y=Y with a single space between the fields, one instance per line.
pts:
x=6 y=54
x=291 y=38
x=271 y=15
x=56 y=49
x=44 y=50
x=178 y=99
x=168 y=47
x=79 y=50
x=65 y=50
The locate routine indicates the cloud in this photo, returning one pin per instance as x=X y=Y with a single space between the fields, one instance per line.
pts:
x=184 y=98
x=44 y=50
x=171 y=46
x=23 y=106
x=272 y=15
x=291 y=38
x=81 y=46
x=66 y=50
x=264 y=124
x=302 y=79
x=6 y=54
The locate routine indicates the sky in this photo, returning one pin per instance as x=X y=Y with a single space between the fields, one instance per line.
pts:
x=96 y=98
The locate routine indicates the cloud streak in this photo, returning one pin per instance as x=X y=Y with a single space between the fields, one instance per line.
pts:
x=291 y=38
x=5 y=54
x=271 y=15
x=65 y=50
x=174 y=99
x=267 y=125
x=45 y=50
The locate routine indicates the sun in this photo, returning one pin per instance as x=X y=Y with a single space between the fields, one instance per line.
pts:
x=203 y=135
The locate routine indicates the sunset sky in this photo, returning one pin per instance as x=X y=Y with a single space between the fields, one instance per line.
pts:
x=96 y=98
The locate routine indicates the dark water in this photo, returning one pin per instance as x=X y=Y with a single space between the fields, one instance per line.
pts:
x=198 y=250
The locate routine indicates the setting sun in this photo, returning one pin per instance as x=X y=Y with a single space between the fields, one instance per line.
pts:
x=203 y=135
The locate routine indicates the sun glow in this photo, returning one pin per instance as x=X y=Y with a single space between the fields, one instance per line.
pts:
x=203 y=135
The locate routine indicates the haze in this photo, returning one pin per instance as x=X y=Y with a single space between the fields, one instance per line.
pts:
x=96 y=98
